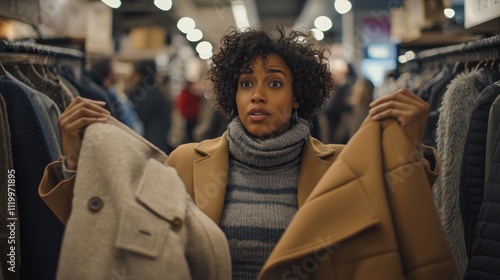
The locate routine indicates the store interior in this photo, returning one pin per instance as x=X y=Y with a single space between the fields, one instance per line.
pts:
x=375 y=46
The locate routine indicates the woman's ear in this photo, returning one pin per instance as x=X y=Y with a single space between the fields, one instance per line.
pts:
x=295 y=103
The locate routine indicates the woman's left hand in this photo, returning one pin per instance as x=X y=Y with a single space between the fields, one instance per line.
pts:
x=410 y=110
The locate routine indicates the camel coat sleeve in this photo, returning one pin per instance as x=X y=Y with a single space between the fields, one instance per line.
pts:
x=56 y=191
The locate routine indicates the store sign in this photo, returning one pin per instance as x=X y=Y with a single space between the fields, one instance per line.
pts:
x=27 y=11
x=481 y=11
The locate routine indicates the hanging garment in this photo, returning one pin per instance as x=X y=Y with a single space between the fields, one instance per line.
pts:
x=435 y=96
x=47 y=112
x=471 y=184
x=48 y=86
x=453 y=124
x=40 y=230
x=8 y=237
x=484 y=263
x=131 y=215
x=367 y=219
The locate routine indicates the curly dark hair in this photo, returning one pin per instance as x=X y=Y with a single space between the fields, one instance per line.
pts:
x=312 y=83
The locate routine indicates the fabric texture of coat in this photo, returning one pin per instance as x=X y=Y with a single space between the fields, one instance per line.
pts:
x=399 y=224
x=130 y=214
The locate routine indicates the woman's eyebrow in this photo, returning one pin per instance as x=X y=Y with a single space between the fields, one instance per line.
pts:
x=277 y=71
x=246 y=70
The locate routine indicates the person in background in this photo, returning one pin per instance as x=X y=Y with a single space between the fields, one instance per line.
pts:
x=359 y=101
x=153 y=105
x=337 y=106
x=103 y=74
x=188 y=103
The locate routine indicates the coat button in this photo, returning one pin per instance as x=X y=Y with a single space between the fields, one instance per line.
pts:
x=176 y=224
x=95 y=204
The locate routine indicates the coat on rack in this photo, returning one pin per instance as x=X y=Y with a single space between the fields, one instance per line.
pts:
x=484 y=262
x=40 y=230
x=473 y=164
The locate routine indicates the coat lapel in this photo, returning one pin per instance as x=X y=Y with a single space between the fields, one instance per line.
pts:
x=210 y=176
x=316 y=159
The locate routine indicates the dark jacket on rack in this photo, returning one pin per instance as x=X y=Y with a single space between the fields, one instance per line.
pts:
x=10 y=209
x=47 y=112
x=473 y=164
x=484 y=263
x=40 y=230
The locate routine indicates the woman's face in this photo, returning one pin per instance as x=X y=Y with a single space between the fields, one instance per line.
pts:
x=264 y=97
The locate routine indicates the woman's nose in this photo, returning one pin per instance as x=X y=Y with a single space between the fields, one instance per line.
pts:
x=258 y=95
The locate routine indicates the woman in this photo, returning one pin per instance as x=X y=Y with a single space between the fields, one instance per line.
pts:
x=253 y=178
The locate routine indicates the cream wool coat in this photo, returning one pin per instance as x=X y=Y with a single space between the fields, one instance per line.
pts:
x=369 y=215
x=131 y=217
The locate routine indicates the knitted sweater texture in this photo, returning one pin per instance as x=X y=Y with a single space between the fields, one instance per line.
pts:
x=261 y=195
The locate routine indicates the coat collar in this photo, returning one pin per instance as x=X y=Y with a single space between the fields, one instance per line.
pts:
x=210 y=172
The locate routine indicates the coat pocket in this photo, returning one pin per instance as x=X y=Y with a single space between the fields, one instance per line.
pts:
x=141 y=231
x=159 y=209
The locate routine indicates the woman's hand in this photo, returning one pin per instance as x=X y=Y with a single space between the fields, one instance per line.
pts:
x=78 y=115
x=410 y=110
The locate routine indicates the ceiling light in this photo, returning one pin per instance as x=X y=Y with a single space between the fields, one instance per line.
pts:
x=342 y=6
x=318 y=34
x=194 y=35
x=186 y=24
x=449 y=13
x=204 y=47
x=402 y=59
x=115 y=4
x=410 y=55
x=163 y=5
x=240 y=14
x=323 y=23
x=206 y=55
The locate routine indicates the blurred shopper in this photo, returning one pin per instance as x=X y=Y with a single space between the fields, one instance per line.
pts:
x=337 y=106
x=103 y=74
x=188 y=103
x=152 y=105
x=362 y=96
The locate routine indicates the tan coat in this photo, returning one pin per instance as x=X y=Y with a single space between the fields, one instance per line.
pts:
x=370 y=217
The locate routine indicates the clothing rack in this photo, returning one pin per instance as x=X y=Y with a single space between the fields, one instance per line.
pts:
x=474 y=51
x=461 y=49
x=37 y=49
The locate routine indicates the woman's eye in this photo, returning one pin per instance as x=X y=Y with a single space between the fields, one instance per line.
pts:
x=246 y=84
x=275 y=84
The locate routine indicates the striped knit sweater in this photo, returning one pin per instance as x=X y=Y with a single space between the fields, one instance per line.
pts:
x=261 y=195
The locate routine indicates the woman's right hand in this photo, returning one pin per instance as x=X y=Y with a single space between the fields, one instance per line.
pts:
x=80 y=113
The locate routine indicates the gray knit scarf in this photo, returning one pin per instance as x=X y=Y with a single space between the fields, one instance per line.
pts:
x=261 y=195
